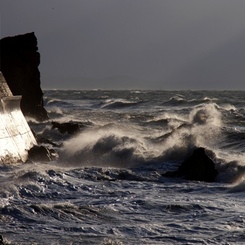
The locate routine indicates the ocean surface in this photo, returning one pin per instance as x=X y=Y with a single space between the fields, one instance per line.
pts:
x=107 y=187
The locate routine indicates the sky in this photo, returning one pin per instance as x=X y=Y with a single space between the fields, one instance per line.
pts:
x=133 y=44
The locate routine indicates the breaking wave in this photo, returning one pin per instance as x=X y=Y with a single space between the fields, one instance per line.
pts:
x=129 y=146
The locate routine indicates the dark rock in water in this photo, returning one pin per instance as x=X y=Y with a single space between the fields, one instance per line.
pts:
x=19 y=64
x=197 y=167
x=1 y=240
x=41 y=153
x=69 y=127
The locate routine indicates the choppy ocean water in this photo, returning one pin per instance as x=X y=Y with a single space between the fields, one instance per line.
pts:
x=107 y=187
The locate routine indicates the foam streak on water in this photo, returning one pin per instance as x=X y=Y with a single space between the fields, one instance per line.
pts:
x=107 y=188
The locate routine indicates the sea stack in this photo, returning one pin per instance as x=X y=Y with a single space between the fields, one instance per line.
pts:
x=19 y=64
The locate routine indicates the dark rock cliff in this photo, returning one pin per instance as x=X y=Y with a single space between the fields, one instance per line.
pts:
x=19 y=61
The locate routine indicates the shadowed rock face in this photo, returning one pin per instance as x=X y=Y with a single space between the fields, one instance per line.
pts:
x=197 y=167
x=19 y=64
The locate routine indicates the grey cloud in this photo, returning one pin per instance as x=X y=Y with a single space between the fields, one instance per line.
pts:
x=222 y=67
x=166 y=42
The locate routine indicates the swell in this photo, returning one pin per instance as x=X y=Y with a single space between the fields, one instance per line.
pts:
x=180 y=100
x=118 y=104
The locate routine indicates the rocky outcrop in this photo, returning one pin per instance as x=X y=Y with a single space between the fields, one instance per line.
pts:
x=66 y=128
x=197 y=167
x=41 y=153
x=19 y=64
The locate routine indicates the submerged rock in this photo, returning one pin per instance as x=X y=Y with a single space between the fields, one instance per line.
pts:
x=19 y=64
x=197 y=167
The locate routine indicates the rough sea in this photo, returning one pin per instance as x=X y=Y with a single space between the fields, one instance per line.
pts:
x=107 y=186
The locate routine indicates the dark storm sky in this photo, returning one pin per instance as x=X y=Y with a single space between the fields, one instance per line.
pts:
x=144 y=44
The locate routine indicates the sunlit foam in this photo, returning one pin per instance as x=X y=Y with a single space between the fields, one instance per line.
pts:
x=126 y=145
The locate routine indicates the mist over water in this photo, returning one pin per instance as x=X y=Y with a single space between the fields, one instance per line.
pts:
x=107 y=187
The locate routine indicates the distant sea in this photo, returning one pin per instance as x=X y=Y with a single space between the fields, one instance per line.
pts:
x=107 y=187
